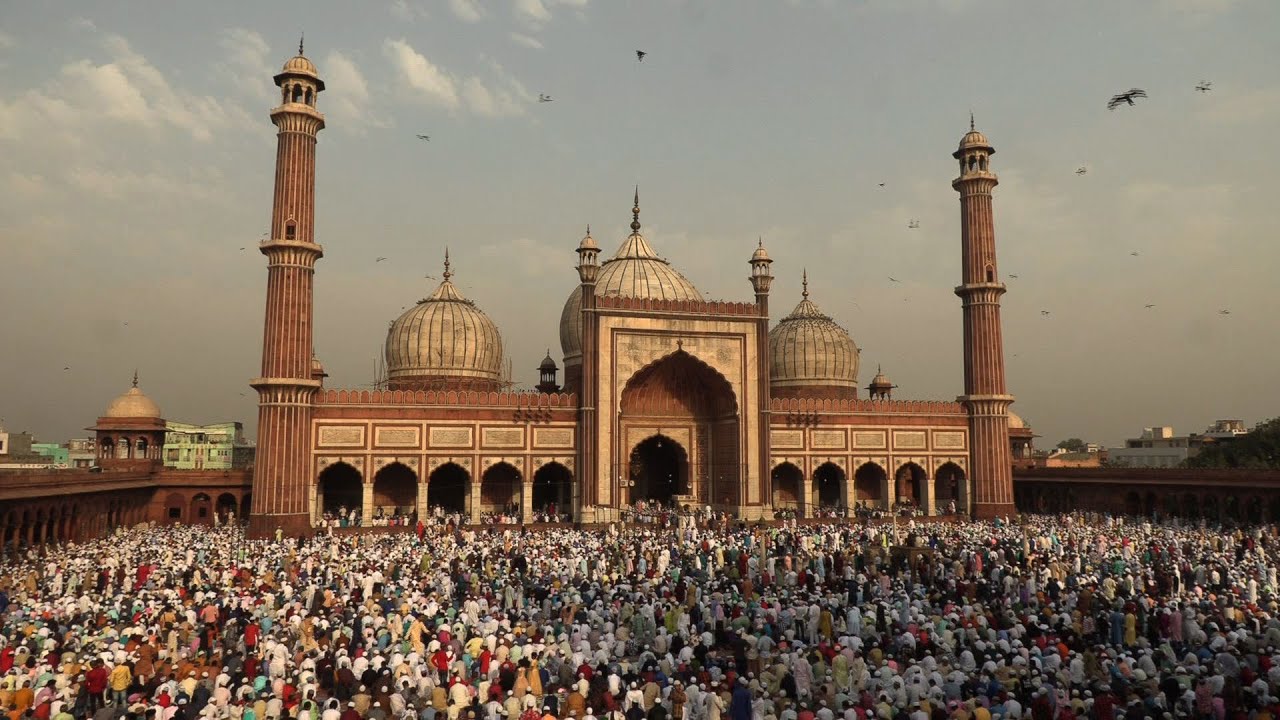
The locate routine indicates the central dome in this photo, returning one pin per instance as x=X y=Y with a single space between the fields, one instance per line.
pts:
x=634 y=271
x=810 y=355
x=444 y=342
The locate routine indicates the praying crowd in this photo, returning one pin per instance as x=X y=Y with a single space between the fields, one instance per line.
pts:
x=1038 y=617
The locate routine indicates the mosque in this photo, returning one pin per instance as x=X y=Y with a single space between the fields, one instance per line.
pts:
x=666 y=396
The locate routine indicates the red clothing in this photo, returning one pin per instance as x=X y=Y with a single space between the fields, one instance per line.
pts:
x=95 y=681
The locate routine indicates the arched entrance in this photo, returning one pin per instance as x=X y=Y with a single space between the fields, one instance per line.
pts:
x=340 y=490
x=448 y=489
x=659 y=471
x=395 y=492
x=787 y=483
x=553 y=490
x=201 y=510
x=950 y=486
x=680 y=396
x=869 y=485
x=1132 y=504
x=226 y=507
x=500 y=490
x=910 y=483
x=828 y=487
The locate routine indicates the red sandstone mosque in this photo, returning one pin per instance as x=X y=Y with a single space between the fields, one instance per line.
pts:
x=666 y=396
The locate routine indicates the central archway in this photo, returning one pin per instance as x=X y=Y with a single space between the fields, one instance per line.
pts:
x=828 y=486
x=659 y=471
x=787 y=483
x=395 y=491
x=950 y=486
x=679 y=396
x=870 y=484
x=500 y=489
x=911 y=480
x=552 y=489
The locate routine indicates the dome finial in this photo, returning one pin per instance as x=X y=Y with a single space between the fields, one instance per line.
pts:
x=135 y=377
x=301 y=37
x=447 y=274
x=971 y=128
x=635 y=212
x=805 y=284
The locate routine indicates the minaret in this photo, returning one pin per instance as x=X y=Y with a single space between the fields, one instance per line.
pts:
x=985 y=398
x=587 y=483
x=282 y=469
x=761 y=279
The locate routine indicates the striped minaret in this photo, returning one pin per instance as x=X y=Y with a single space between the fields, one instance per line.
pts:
x=282 y=468
x=985 y=398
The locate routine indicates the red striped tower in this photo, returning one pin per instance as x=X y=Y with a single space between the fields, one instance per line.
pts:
x=281 y=474
x=985 y=398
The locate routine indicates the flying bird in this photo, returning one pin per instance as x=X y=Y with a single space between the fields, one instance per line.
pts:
x=1204 y=86
x=893 y=279
x=425 y=137
x=913 y=224
x=1151 y=305
x=241 y=248
x=1125 y=97
x=1082 y=170
x=379 y=259
x=881 y=184
x=640 y=55
x=1224 y=312
x=544 y=98
x=66 y=368
x=1015 y=277
x=1134 y=253
x=1044 y=312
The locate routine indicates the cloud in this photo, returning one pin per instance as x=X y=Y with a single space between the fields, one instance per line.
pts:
x=407 y=11
x=532 y=11
x=6 y=41
x=347 y=96
x=467 y=10
x=434 y=84
x=499 y=95
x=247 y=64
x=526 y=41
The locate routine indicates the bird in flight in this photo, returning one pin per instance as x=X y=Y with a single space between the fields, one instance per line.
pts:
x=425 y=137
x=1082 y=170
x=1125 y=97
x=881 y=184
x=66 y=368
x=1134 y=253
x=544 y=98
x=640 y=55
x=1204 y=87
x=1224 y=312
x=1044 y=312
x=241 y=248
x=1015 y=277
x=894 y=279
x=379 y=259
x=913 y=224
x=1150 y=305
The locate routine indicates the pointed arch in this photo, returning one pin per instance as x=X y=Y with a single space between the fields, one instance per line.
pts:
x=449 y=489
x=553 y=489
x=829 y=487
x=871 y=485
x=788 y=487
x=500 y=489
x=911 y=484
x=340 y=489
x=950 y=485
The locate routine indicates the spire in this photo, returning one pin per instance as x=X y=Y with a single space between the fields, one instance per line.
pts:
x=135 y=377
x=588 y=229
x=635 y=212
x=301 y=37
x=971 y=128
x=759 y=241
x=447 y=274
x=805 y=283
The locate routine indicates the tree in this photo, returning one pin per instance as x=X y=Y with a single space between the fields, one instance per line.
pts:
x=1258 y=450
x=1073 y=445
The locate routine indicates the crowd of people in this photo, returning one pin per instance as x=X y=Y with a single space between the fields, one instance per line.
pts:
x=1042 y=618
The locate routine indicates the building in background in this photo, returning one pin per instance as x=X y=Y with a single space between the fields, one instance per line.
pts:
x=17 y=452
x=220 y=446
x=1161 y=447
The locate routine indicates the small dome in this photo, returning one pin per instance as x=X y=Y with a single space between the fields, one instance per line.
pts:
x=808 y=349
x=588 y=242
x=760 y=254
x=133 y=404
x=1015 y=420
x=634 y=271
x=301 y=65
x=547 y=363
x=881 y=380
x=444 y=340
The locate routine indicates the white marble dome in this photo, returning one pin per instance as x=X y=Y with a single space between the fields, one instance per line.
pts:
x=444 y=338
x=807 y=349
x=634 y=271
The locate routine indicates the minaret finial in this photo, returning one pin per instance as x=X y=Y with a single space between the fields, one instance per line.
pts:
x=447 y=274
x=135 y=377
x=805 y=282
x=971 y=128
x=759 y=241
x=301 y=37
x=635 y=212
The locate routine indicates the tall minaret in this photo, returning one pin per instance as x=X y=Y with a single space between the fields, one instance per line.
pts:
x=587 y=505
x=985 y=398
x=282 y=468
x=761 y=280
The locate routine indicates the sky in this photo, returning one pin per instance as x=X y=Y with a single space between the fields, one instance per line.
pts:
x=138 y=163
